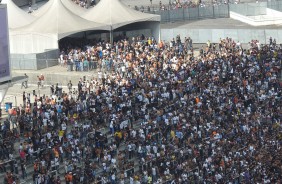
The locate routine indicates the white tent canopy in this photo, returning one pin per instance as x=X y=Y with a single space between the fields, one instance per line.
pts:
x=116 y=14
x=60 y=21
x=56 y=20
x=16 y=16
x=27 y=43
x=44 y=32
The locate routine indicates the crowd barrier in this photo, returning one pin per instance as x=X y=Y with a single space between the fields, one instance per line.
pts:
x=275 y=5
x=208 y=10
x=242 y=35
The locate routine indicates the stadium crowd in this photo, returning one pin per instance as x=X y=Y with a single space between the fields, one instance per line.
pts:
x=159 y=5
x=85 y=3
x=156 y=113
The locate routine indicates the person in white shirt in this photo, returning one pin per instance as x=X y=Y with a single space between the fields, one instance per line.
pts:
x=100 y=76
x=154 y=174
x=57 y=161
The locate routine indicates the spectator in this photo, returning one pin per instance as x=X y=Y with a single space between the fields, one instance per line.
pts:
x=162 y=114
x=24 y=84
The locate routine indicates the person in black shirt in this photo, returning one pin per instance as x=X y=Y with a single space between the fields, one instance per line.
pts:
x=24 y=99
x=24 y=84
x=79 y=86
x=70 y=86
x=52 y=89
x=57 y=89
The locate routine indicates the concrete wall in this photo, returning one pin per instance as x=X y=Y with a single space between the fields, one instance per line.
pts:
x=272 y=17
x=276 y=5
x=250 y=9
x=242 y=35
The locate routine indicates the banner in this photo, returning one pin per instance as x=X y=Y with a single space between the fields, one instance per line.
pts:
x=4 y=45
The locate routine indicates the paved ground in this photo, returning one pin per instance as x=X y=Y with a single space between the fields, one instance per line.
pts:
x=14 y=94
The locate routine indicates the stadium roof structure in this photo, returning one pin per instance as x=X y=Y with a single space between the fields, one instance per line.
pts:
x=16 y=16
x=116 y=14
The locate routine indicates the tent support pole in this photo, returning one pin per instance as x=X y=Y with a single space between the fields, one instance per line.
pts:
x=111 y=36
x=85 y=36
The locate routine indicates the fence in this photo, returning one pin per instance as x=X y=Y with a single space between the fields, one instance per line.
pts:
x=275 y=5
x=208 y=10
x=249 y=9
x=32 y=64
x=192 y=13
x=34 y=61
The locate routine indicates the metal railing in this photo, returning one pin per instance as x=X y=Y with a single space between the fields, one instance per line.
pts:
x=191 y=13
x=249 y=9
x=275 y=5
x=172 y=13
